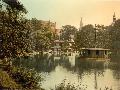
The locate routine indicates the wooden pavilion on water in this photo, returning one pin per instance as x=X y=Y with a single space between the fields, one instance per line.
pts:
x=94 y=54
x=98 y=54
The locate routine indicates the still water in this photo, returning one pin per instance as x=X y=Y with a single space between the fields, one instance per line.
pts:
x=57 y=69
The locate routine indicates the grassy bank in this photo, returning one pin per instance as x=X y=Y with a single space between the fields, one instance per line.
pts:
x=12 y=77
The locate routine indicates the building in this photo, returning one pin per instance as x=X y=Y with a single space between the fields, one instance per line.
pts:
x=37 y=25
x=114 y=19
x=50 y=24
x=81 y=24
x=94 y=53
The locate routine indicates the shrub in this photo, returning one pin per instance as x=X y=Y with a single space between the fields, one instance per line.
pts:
x=27 y=78
x=6 y=82
x=69 y=86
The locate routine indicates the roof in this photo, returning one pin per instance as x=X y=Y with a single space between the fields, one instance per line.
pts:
x=62 y=41
x=58 y=41
x=94 y=49
x=56 y=47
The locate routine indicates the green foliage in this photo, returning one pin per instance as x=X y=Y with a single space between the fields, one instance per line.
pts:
x=42 y=35
x=42 y=42
x=85 y=37
x=65 y=46
x=6 y=82
x=68 y=86
x=90 y=37
x=68 y=34
x=15 y=4
x=14 y=32
x=114 y=32
x=67 y=31
x=28 y=79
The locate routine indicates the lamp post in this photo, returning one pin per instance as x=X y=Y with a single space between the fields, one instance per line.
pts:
x=96 y=30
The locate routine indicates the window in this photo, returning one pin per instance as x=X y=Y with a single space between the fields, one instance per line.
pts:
x=105 y=52
x=88 y=52
x=97 y=52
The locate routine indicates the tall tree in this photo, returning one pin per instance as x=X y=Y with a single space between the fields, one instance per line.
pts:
x=67 y=32
x=14 y=30
x=85 y=38
x=91 y=37
x=114 y=32
x=42 y=35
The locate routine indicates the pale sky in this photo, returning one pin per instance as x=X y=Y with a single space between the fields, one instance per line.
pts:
x=69 y=12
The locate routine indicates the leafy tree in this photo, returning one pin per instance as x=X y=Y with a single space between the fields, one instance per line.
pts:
x=102 y=37
x=42 y=36
x=41 y=41
x=85 y=38
x=90 y=37
x=67 y=32
x=14 y=4
x=114 y=32
x=14 y=29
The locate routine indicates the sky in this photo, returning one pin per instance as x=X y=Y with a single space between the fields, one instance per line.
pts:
x=69 y=12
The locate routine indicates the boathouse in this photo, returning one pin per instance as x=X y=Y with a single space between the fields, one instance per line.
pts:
x=94 y=53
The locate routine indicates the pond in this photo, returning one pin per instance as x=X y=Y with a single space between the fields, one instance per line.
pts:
x=57 y=69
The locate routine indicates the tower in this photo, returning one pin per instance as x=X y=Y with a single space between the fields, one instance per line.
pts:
x=81 y=24
x=114 y=17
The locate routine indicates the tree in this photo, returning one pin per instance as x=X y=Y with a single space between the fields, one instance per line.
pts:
x=85 y=38
x=41 y=41
x=102 y=36
x=68 y=31
x=114 y=32
x=91 y=37
x=15 y=5
x=68 y=34
x=42 y=36
x=14 y=30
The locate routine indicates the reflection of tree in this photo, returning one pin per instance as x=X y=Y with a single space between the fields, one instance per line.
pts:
x=89 y=64
x=38 y=62
x=43 y=63
x=116 y=74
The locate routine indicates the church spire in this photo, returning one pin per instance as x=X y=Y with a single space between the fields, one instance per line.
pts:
x=114 y=17
x=81 y=24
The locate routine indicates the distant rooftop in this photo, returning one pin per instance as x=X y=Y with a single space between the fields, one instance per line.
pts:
x=94 y=49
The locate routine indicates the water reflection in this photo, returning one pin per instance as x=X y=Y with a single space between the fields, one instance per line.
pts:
x=88 y=75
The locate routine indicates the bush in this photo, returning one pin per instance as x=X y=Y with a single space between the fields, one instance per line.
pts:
x=6 y=82
x=27 y=78
x=68 y=86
